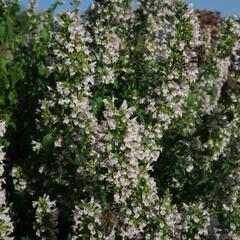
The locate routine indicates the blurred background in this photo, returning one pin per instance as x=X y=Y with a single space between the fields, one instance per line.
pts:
x=226 y=7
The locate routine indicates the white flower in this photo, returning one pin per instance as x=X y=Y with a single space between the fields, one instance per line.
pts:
x=36 y=146
x=2 y=128
x=189 y=168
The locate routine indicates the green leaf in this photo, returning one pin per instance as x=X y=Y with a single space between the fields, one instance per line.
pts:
x=203 y=181
x=75 y=162
x=42 y=70
x=191 y=98
x=2 y=65
x=12 y=125
x=45 y=35
x=2 y=32
x=2 y=100
x=12 y=98
x=47 y=139
x=69 y=236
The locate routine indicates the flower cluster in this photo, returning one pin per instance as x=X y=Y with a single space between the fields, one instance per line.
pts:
x=46 y=218
x=135 y=152
x=134 y=128
x=6 y=225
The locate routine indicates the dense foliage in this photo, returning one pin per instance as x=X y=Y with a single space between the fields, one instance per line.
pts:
x=119 y=123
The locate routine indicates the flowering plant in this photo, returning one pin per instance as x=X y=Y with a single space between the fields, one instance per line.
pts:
x=133 y=132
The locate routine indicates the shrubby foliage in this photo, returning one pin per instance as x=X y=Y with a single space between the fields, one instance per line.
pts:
x=121 y=122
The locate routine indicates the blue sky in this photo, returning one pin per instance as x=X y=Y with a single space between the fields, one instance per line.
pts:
x=227 y=7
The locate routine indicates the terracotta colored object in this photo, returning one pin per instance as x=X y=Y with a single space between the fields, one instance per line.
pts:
x=209 y=20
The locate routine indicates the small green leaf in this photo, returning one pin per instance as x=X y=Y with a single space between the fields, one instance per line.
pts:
x=47 y=139
x=2 y=65
x=69 y=237
x=203 y=181
x=2 y=32
x=2 y=102
x=191 y=98
x=12 y=98
x=42 y=70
